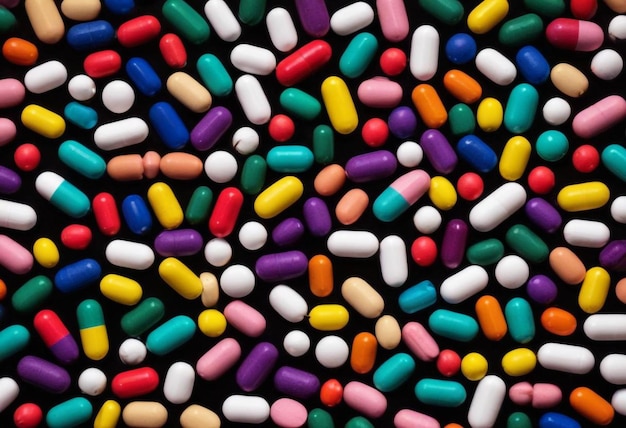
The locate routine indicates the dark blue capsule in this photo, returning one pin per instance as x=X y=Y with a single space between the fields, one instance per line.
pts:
x=141 y=73
x=168 y=125
x=90 y=36
x=77 y=275
x=557 y=420
x=136 y=214
x=532 y=65
x=119 y=7
x=477 y=153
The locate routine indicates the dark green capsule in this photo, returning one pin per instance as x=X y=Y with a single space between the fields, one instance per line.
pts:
x=7 y=19
x=187 y=21
x=521 y=31
x=320 y=418
x=449 y=12
x=32 y=294
x=462 y=120
x=253 y=175
x=300 y=104
x=518 y=420
x=199 y=205
x=527 y=243
x=547 y=8
x=251 y=12
x=143 y=317
x=323 y=144
x=359 y=422
x=485 y=252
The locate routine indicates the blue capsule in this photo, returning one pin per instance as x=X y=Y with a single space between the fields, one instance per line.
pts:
x=418 y=297
x=143 y=76
x=78 y=275
x=80 y=115
x=90 y=36
x=477 y=153
x=461 y=48
x=557 y=420
x=119 y=7
x=136 y=214
x=168 y=125
x=532 y=65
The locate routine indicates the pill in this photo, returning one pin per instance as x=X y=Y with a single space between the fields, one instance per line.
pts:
x=217 y=360
x=591 y=405
x=388 y=332
x=42 y=121
x=400 y=195
x=424 y=53
x=72 y=412
x=214 y=75
x=486 y=15
x=43 y=374
x=566 y=358
x=295 y=382
x=352 y=243
x=363 y=352
x=179 y=382
x=144 y=413
x=328 y=317
x=196 y=414
x=339 y=105
x=296 y=343
x=253 y=59
x=172 y=50
x=487 y=401
x=599 y=117
x=222 y=20
x=246 y=409
x=187 y=21
x=10 y=391
x=281 y=29
x=558 y=321
x=364 y=399
x=490 y=317
x=92 y=381
x=170 y=335
x=379 y=92
x=121 y=289
x=394 y=22
x=569 y=80
x=586 y=233
x=497 y=207
x=495 y=66
x=45 y=20
x=132 y=351
x=351 y=18
x=573 y=34
x=19 y=51
x=288 y=303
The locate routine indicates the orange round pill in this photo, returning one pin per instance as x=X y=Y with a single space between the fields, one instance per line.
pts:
x=591 y=406
x=363 y=353
x=320 y=275
x=429 y=105
x=19 y=51
x=331 y=392
x=558 y=321
x=491 y=318
x=329 y=180
x=351 y=206
x=620 y=290
x=462 y=86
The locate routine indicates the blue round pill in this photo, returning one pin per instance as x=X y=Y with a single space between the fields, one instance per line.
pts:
x=461 y=48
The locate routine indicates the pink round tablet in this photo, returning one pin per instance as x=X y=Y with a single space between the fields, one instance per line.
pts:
x=288 y=413
x=365 y=399
x=419 y=341
x=407 y=418
x=245 y=318
x=217 y=360
x=546 y=395
x=7 y=131
x=521 y=393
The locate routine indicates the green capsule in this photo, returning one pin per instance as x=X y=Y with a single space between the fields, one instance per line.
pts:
x=251 y=12
x=199 y=205
x=320 y=418
x=522 y=30
x=300 y=104
x=170 y=335
x=462 y=120
x=444 y=393
x=485 y=252
x=547 y=8
x=82 y=159
x=80 y=115
x=32 y=294
x=521 y=107
x=391 y=374
x=143 y=317
x=214 y=75
x=323 y=144
x=71 y=413
x=518 y=420
x=449 y=12
x=289 y=159
x=358 y=55
x=527 y=243
x=189 y=23
x=13 y=339
x=253 y=175
x=359 y=422
x=614 y=158
x=453 y=325
x=519 y=319
x=7 y=19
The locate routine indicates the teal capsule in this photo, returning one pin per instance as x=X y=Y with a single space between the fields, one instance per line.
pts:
x=170 y=335
x=199 y=205
x=519 y=319
x=521 y=107
x=320 y=418
x=300 y=104
x=518 y=420
x=462 y=120
x=527 y=243
x=214 y=75
x=62 y=194
x=253 y=175
x=251 y=12
x=93 y=332
x=7 y=20
x=522 y=30
x=359 y=422
x=187 y=22
x=81 y=159
x=450 y=12
x=443 y=393
x=485 y=253
x=71 y=413
x=13 y=339
x=289 y=159
x=418 y=297
x=32 y=294
x=358 y=55
x=552 y=145
x=391 y=374
x=614 y=158
x=323 y=144
x=145 y=315
x=453 y=325
x=80 y=115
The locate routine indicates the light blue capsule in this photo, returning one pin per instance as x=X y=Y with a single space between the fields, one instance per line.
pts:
x=214 y=75
x=614 y=158
x=521 y=108
x=477 y=153
x=71 y=413
x=80 y=115
x=437 y=392
x=13 y=339
x=170 y=335
x=62 y=194
x=391 y=374
x=289 y=159
x=82 y=159
x=453 y=325
x=418 y=297
x=358 y=55
x=519 y=319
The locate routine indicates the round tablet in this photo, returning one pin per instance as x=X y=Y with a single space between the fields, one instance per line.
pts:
x=132 y=351
x=245 y=140
x=332 y=351
x=427 y=219
x=218 y=252
x=92 y=381
x=618 y=209
x=81 y=87
x=220 y=166
x=237 y=281
x=607 y=64
x=461 y=48
x=252 y=235
x=296 y=343
x=556 y=111
x=512 y=271
x=409 y=154
x=118 y=96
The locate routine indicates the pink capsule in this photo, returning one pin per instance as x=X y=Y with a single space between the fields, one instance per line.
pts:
x=407 y=418
x=419 y=341
x=217 y=360
x=574 y=34
x=599 y=117
x=14 y=257
x=365 y=399
x=380 y=92
x=245 y=318
x=393 y=19
x=12 y=92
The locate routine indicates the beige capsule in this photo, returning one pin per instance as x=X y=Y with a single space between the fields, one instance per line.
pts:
x=189 y=92
x=81 y=10
x=362 y=297
x=569 y=80
x=45 y=19
x=388 y=332
x=196 y=416
x=567 y=266
x=145 y=414
x=351 y=206
x=181 y=166
x=210 y=289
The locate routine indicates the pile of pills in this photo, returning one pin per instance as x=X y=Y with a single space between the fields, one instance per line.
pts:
x=309 y=213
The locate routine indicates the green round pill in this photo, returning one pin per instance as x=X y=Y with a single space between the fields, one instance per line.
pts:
x=462 y=120
x=518 y=420
x=359 y=422
x=320 y=418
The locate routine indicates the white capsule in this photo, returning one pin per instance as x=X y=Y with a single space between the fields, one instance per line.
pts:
x=253 y=59
x=179 y=381
x=118 y=96
x=128 y=254
x=352 y=18
x=220 y=166
x=132 y=352
x=281 y=29
x=45 y=77
x=603 y=327
x=586 y=233
x=487 y=401
x=424 y=54
x=9 y=390
x=245 y=140
x=246 y=409
x=237 y=281
x=332 y=351
x=496 y=207
x=17 y=216
x=464 y=284
x=252 y=235
x=81 y=87
x=565 y=358
x=512 y=271
x=427 y=219
x=607 y=64
x=222 y=20
x=613 y=369
x=617 y=28
x=121 y=133
x=495 y=66
x=618 y=209
x=556 y=111
x=409 y=154
x=218 y=252
x=352 y=243
x=296 y=343
x=394 y=265
x=253 y=100
x=288 y=303
x=92 y=381
x=618 y=401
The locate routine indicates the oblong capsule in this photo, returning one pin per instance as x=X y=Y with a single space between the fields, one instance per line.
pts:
x=591 y=405
x=393 y=18
x=362 y=297
x=225 y=212
x=583 y=196
x=19 y=51
x=444 y=393
x=253 y=59
x=46 y=20
x=487 y=401
x=281 y=29
x=604 y=327
x=182 y=279
x=393 y=372
x=424 y=54
x=168 y=125
x=453 y=325
x=170 y=335
x=121 y=133
x=486 y=15
x=56 y=336
x=278 y=197
x=207 y=132
x=400 y=195
x=429 y=105
x=569 y=80
x=566 y=358
x=521 y=106
x=72 y=412
x=363 y=352
x=43 y=121
x=17 y=216
x=491 y=317
x=574 y=34
x=93 y=332
x=189 y=92
x=349 y=243
x=246 y=409
x=253 y=99
x=497 y=207
x=214 y=75
x=217 y=360
x=339 y=105
x=303 y=62
x=599 y=117
x=495 y=66
x=514 y=158
x=165 y=205
x=328 y=317
x=43 y=374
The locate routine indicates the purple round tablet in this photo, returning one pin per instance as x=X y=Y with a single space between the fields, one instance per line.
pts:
x=402 y=122
x=541 y=289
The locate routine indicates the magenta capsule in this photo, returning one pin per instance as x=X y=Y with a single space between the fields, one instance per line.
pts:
x=371 y=166
x=44 y=374
x=281 y=266
x=314 y=17
x=219 y=359
x=543 y=215
x=288 y=232
x=56 y=336
x=177 y=243
x=295 y=382
x=257 y=366
x=173 y=50
x=245 y=318
x=438 y=151
x=317 y=217
x=211 y=127
x=10 y=181
x=138 y=31
x=453 y=243
x=574 y=34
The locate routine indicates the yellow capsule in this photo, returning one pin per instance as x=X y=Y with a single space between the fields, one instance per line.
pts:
x=339 y=105
x=583 y=196
x=474 y=366
x=121 y=289
x=442 y=193
x=489 y=114
x=594 y=289
x=486 y=15
x=46 y=252
x=514 y=158
x=210 y=289
x=43 y=121
x=328 y=317
x=519 y=362
x=212 y=322
x=108 y=415
x=278 y=197
x=178 y=276
x=166 y=207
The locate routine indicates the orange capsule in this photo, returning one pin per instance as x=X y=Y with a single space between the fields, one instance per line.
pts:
x=331 y=392
x=591 y=405
x=125 y=168
x=181 y=166
x=19 y=51
x=453 y=425
x=351 y=206
x=490 y=317
x=558 y=321
x=329 y=180
x=3 y=290
x=429 y=105
x=566 y=264
x=363 y=354
x=320 y=275
x=462 y=86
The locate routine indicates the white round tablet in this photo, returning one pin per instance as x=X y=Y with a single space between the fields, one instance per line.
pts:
x=218 y=252
x=92 y=381
x=237 y=281
x=427 y=219
x=618 y=209
x=245 y=140
x=220 y=166
x=556 y=111
x=118 y=96
x=132 y=351
x=409 y=154
x=332 y=351
x=296 y=343
x=81 y=87
x=512 y=271
x=252 y=235
x=607 y=64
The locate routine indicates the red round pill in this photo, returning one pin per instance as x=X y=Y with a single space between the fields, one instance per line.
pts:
x=106 y=214
x=281 y=128
x=424 y=251
x=393 y=61
x=586 y=158
x=470 y=186
x=28 y=415
x=331 y=392
x=375 y=132
x=541 y=180
x=448 y=362
x=173 y=51
x=583 y=9
x=27 y=157
x=76 y=236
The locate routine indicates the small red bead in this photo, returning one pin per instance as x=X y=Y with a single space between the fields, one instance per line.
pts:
x=27 y=157
x=470 y=186
x=281 y=128
x=448 y=363
x=393 y=61
x=28 y=415
x=586 y=158
x=331 y=392
x=541 y=180
x=375 y=132
x=424 y=251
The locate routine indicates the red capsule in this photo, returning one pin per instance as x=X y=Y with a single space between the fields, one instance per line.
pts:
x=76 y=236
x=56 y=336
x=136 y=382
x=224 y=215
x=303 y=62
x=583 y=9
x=102 y=63
x=173 y=51
x=574 y=34
x=138 y=31
x=106 y=213
x=331 y=392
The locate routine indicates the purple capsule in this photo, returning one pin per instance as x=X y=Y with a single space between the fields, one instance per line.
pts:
x=371 y=166
x=541 y=289
x=543 y=215
x=295 y=382
x=44 y=374
x=179 y=242
x=613 y=256
x=257 y=366
x=211 y=127
x=317 y=217
x=438 y=150
x=281 y=266
x=453 y=243
x=288 y=232
x=10 y=182
x=402 y=122
x=314 y=17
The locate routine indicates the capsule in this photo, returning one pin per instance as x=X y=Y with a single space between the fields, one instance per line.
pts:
x=278 y=197
x=486 y=15
x=173 y=51
x=247 y=409
x=187 y=22
x=90 y=36
x=303 y=62
x=199 y=204
x=225 y=212
x=394 y=372
x=365 y=399
x=56 y=336
x=424 y=54
x=491 y=318
x=170 y=335
x=328 y=317
x=280 y=27
x=165 y=205
x=600 y=117
x=400 y=195
x=495 y=66
x=180 y=278
x=393 y=18
x=13 y=339
x=453 y=325
x=591 y=405
x=214 y=75
x=532 y=65
x=143 y=317
x=253 y=99
x=487 y=401
x=429 y=105
x=108 y=415
x=45 y=20
x=363 y=352
x=143 y=75
x=93 y=331
x=135 y=382
x=19 y=51
x=339 y=105
x=521 y=30
x=207 y=132
x=138 y=31
x=257 y=366
x=73 y=412
x=43 y=374
x=573 y=34
x=443 y=393
x=43 y=121
x=46 y=252
x=121 y=133
x=462 y=86
x=583 y=196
